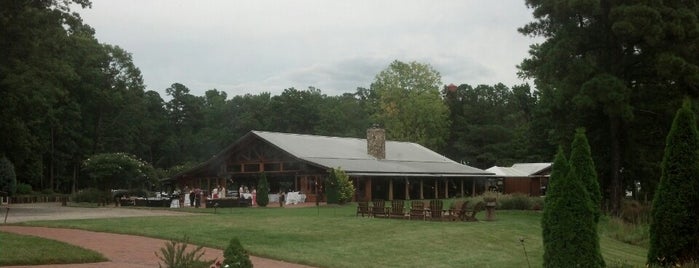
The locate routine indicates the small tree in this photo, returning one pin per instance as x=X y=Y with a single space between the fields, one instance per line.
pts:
x=674 y=229
x=262 y=191
x=581 y=161
x=235 y=255
x=345 y=189
x=8 y=178
x=568 y=224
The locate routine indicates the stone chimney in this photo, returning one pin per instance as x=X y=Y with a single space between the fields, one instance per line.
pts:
x=376 y=142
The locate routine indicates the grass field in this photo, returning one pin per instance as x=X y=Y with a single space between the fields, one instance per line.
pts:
x=333 y=237
x=29 y=250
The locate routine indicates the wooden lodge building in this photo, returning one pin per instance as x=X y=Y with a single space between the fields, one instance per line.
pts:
x=526 y=178
x=379 y=169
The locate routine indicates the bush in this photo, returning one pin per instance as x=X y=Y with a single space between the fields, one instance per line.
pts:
x=23 y=188
x=339 y=188
x=262 y=191
x=235 y=255
x=674 y=229
x=92 y=195
x=635 y=212
x=515 y=201
x=176 y=255
x=8 y=178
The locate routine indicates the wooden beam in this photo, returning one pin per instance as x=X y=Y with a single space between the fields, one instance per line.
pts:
x=407 y=189
x=390 y=189
x=436 y=188
x=446 y=188
x=473 y=186
x=367 y=189
x=462 y=187
x=422 y=193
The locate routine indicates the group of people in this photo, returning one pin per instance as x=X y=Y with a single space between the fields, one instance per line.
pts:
x=218 y=192
x=191 y=196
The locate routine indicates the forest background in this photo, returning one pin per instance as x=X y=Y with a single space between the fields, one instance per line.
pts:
x=65 y=97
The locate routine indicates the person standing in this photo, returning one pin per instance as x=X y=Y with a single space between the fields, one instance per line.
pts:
x=254 y=196
x=192 y=196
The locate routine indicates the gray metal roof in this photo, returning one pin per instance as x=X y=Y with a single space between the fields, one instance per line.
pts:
x=350 y=154
x=519 y=169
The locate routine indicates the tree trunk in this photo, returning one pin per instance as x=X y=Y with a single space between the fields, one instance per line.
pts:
x=615 y=180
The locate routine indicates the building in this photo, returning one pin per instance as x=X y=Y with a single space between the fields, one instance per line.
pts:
x=379 y=169
x=525 y=178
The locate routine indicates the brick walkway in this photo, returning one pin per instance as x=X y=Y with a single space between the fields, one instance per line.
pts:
x=121 y=250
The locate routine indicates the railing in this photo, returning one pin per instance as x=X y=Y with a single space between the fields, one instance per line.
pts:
x=23 y=199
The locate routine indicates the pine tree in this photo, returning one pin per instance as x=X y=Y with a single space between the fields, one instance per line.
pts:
x=674 y=230
x=8 y=178
x=581 y=161
x=262 y=191
x=568 y=226
x=235 y=255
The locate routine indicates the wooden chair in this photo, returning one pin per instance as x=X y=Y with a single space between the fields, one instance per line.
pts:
x=379 y=209
x=397 y=209
x=436 y=210
x=417 y=210
x=470 y=215
x=458 y=212
x=363 y=209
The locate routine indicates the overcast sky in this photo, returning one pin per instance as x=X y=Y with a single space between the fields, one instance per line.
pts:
x=266 y=46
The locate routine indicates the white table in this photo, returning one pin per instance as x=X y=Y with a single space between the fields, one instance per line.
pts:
x=295 y=198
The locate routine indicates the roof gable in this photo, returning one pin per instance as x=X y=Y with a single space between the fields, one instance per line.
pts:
x=521 y=169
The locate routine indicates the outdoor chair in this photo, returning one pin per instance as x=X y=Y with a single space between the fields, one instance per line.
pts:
x=363 y=209
x=417 y=210
x=459 y=210
x=379 y=209
x=397 y=209
x=470 y=215
x=436 y=210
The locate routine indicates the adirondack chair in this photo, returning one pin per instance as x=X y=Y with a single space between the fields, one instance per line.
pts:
x=379 y=209
x=470 y=214
x=458 y=212
x=417 y=210
x=363 y=209
x=436 y=210
x=397 y=209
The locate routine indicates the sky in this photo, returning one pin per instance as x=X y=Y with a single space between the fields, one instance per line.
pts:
x=256 y=46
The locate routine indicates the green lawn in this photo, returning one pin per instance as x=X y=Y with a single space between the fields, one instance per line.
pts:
x=29 y=250
x=334 y=237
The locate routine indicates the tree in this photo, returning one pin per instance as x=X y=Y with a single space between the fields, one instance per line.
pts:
x=8 y=179
x=602 y=63
x=674 y=232
x=410 y=106
x=235 y=255
x=583 y=168
x=338 y=187
x=119 y=170
x=569 y=230
x=262 y=191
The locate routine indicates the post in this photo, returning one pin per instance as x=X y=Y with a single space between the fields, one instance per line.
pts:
x=462 y=187
x=422 y=194
x=390 y=189
x=436 y=189
x=446 y=188
x=407 y=189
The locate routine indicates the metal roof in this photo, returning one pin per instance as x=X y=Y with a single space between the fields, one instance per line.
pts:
x=519 y=169
x=350 y=154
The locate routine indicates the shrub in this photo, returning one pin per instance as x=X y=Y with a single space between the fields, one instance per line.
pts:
x=23 y=188
x=92 y=195
x=339 y=188
x=176 y=255
x=515 y=201
x=235 y=255
x=583 y=168
x=262 y=191
x=8 y=178
x=635 y=212
x=568 y=224
x=674 y=230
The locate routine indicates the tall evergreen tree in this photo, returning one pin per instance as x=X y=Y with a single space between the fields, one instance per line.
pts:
x=262 y=191
x=674 y=232
x=584 y=167
x=568 y=224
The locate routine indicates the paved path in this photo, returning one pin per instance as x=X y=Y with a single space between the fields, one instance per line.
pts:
x=121 y=250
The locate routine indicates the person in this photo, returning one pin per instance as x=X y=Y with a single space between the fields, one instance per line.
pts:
x=240 y=191
x=221 y=192
x=281 y=198
x=192 y=196
x=254 y=196
x=214 y=192
x=197 y=197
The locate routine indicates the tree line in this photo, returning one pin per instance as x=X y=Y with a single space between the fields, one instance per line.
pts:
x=619 y=70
